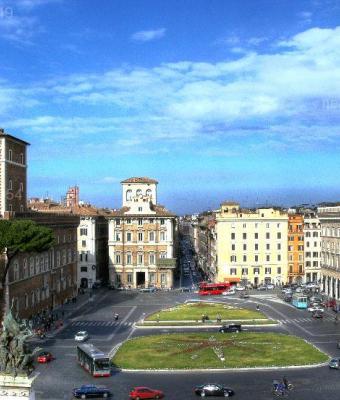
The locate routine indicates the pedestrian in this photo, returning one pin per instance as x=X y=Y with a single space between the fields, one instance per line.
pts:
x=62 y=314
x=157 y=317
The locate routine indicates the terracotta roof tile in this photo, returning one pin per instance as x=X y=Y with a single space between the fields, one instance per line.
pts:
x=142 y=179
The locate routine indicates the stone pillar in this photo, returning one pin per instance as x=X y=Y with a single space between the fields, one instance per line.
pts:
x=16 y=388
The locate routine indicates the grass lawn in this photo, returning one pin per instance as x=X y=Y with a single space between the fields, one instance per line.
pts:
x=208 y=323
x=201 y=350
x=194 y=311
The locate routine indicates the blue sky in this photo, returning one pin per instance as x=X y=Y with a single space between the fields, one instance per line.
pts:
x=216 y=99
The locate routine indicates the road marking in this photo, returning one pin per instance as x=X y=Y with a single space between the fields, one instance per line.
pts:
x=122 y=322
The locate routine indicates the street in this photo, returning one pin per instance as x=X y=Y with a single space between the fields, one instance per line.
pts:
x=97 y=319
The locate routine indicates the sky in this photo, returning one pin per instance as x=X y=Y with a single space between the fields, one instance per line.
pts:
x=216 y=99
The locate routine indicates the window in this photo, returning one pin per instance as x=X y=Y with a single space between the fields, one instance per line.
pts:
x=267 y=257
x=244 y=236
x=315 y=234
x=117 y=222
x=279 y=257
x=279 y=270
x=128 y=221
x=244 y=271
x=307 y=234
x=315 y=264
x=268 y=271
x=162 y=221
x=256 y=270
x=151 y=258
x=118 y=258
x=233 y=236
x=140 y=258
x=244 y=225
x=140 y=236
x=163 y=236
x=244 y=247
x=315 y=254
x=267 y=246
x=128 y=195
x=129 y=258
x=290 y=269
x=256 y=258
x=244 y=258
x=279 y=246
x=290 y=257
x=151 y=221
x=279 y=235
x=300 y=238
x=140 y=221
x=300 y=269
x=10 y=155
x=128 y=236
x=140 y=209
x=267 y=225
x=139 y=192
x=118 y=236
x=83 y=231
x=151 y=236
x=256 y=246
x=278 y=225
x=233 y=258
x=83 y=269
x=267 y=235
x=290 y=248
x=300 y=247
x=15 y=271
x=129 y=278
x=233 y=247
x=163 y=255
x=233 y=271
x=307 y=244
x=256 y=235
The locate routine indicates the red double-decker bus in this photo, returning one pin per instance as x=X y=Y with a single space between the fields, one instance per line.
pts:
x=206 y=289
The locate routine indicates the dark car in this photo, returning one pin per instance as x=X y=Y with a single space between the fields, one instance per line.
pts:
x=88 y=391
x=317 y=314
x=230 y=328
x=287 y=299
x=334 y=363
x=213 y=389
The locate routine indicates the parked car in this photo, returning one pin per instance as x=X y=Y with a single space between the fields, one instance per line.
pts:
x=142 y=392
x=81 y=336
x=240 y=288
x=262 y=287
x=230 y=328
x=334 y=363
x=150 y=289
x=44 y=357
x=244 y=295
x=270 y=286
x=87 y=391
x=288 y=298
x=229 y=292
x=213 y=389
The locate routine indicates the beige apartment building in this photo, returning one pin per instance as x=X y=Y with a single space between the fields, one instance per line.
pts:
x=142 y=238
x=251 y=245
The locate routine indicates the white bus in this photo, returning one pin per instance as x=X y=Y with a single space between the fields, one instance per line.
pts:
x=93 y=360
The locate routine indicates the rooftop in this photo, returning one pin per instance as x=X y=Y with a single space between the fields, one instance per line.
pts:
x=4 y=134
x=142 y=179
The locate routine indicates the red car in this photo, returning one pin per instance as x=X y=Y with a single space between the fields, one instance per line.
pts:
x=142 y=392
x=44 y=357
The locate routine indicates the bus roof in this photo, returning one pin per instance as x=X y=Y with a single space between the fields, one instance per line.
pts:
x=92 y=351
x=205 y=284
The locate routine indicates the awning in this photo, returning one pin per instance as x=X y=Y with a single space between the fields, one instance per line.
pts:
x=232 y=279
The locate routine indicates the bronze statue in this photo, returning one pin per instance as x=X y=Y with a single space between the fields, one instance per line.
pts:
x=16 y=358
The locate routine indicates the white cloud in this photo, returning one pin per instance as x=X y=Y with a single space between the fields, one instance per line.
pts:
x=287 y=96
x=147 y=36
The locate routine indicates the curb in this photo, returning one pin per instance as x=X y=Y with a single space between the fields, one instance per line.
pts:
x=199 y=326
x=245 y=369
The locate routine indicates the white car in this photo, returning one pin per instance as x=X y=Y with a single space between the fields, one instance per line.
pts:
x=228 y=292
x=81 y=336
x=240 y=288
x=315 y=308
x=270 y=286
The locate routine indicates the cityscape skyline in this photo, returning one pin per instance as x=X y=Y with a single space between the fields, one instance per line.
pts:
x=215 y=100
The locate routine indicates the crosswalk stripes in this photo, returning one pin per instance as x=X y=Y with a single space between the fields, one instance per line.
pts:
x=303 y=320
x=99 y=323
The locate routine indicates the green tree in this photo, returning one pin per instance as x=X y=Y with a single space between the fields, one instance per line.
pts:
x=20 y=236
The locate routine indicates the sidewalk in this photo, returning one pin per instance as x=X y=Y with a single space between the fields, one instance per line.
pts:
x=66 y=311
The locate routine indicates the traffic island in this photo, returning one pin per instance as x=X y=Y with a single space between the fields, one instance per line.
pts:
x=185 y=351
x=204 y=314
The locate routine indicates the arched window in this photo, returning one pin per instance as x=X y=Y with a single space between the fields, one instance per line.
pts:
x=139 y=192
x=149 y=193
x=128 y=195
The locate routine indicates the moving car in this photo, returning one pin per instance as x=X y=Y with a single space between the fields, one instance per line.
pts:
x=213 y=389
x=81 y=336
x=334 y=363
x=244 y=295
x=150 y=289
x=315 y=307
x=44 y=357
x=240 y=288
x=270 y=286
x=142 y=392
x=317 y=314
x=230 y=328
x=228 y=292
x=262 y=287
x=88 y=391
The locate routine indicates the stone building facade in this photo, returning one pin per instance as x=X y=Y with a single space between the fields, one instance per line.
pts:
x=142 y=238
x=42 y=281
x=13 y=173
x=312 y=248
x=296 y=271
x=330 y=250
